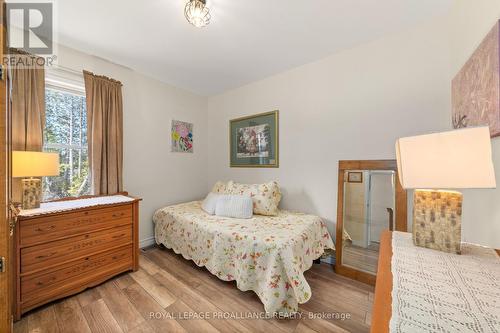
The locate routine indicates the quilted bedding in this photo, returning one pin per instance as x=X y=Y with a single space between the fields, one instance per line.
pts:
x=266 y=254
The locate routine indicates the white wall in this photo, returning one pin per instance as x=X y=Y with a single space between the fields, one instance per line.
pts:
x=351 y=105
x=470 y=21
x=151 y=171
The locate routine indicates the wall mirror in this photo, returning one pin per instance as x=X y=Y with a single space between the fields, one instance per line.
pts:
x=370 y=200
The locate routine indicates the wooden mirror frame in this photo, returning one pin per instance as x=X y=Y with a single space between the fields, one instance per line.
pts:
x=400 y=214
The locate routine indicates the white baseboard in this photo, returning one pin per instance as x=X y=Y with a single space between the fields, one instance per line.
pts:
x=147 y=242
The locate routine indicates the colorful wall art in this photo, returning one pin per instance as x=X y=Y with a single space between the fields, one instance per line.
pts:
x=182 y=137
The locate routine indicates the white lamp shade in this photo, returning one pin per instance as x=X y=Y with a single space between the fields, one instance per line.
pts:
x=34 y=164
x=447 y=160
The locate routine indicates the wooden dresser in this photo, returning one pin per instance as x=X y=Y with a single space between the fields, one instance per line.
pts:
x=382 y=305
x=68 y=246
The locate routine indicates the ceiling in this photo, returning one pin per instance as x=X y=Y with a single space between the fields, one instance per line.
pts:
x=245 y=41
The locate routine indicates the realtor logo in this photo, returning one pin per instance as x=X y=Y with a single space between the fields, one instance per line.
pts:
x=30 y=27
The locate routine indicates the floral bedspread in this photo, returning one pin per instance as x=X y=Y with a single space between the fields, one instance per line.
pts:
x=266 y=254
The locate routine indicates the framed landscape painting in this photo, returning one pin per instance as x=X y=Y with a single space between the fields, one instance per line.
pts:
x=254 y=142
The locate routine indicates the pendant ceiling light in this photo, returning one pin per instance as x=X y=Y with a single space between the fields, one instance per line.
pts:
x=197 y=13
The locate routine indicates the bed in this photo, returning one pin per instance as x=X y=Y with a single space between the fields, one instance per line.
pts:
x=265 y=254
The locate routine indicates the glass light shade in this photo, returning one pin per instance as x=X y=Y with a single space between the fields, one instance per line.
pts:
x=447 y=160
x=197 y=13
x=34 y=164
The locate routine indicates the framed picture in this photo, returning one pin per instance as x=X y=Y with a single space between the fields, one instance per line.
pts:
x=253 y=141
x=182 y=137
x=355 y=177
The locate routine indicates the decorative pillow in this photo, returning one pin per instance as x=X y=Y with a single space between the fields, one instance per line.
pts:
x=266 y=197
x=222 y=187
x=208 y=205
x=237 y=206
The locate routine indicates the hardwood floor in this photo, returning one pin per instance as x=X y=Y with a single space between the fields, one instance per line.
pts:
x=361 y=258
x=168 y=286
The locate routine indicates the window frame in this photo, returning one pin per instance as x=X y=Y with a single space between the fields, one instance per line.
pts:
x=69 y=82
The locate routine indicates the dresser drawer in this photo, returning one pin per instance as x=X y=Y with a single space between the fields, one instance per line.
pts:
x=45 y=229
x=48 y=254
x=72 y=275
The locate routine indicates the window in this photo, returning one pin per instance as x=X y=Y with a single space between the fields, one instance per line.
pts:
x=65 y=132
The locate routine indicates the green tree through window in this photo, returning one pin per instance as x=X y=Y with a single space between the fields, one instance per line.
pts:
x=66 y=133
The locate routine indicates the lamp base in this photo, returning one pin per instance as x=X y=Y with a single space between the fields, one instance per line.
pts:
x=32 y=192
x=437 y=217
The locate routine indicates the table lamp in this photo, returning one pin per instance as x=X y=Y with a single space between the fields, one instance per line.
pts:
x=33 y=164
x=434 y=164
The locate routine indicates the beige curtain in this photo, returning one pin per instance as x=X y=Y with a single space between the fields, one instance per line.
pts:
x=104 y=132
x=28 y=109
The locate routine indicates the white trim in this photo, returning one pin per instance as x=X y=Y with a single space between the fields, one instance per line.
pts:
x=60 y=86
x=147 y=242
x=63 y=79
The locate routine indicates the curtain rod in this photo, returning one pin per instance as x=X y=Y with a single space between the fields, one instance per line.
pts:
x=102 y=77
x=80 y=73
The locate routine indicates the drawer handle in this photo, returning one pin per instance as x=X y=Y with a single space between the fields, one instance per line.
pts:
x=46 y=256
x=41 y=283
x=117 y=215
x=118 y=236
x=46 y=229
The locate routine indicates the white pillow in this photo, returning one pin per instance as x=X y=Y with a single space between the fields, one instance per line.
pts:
x=237 y=206
x=208 y=205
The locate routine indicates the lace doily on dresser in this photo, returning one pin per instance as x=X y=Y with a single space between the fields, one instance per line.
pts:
x=61 y=206
x=435 y=291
